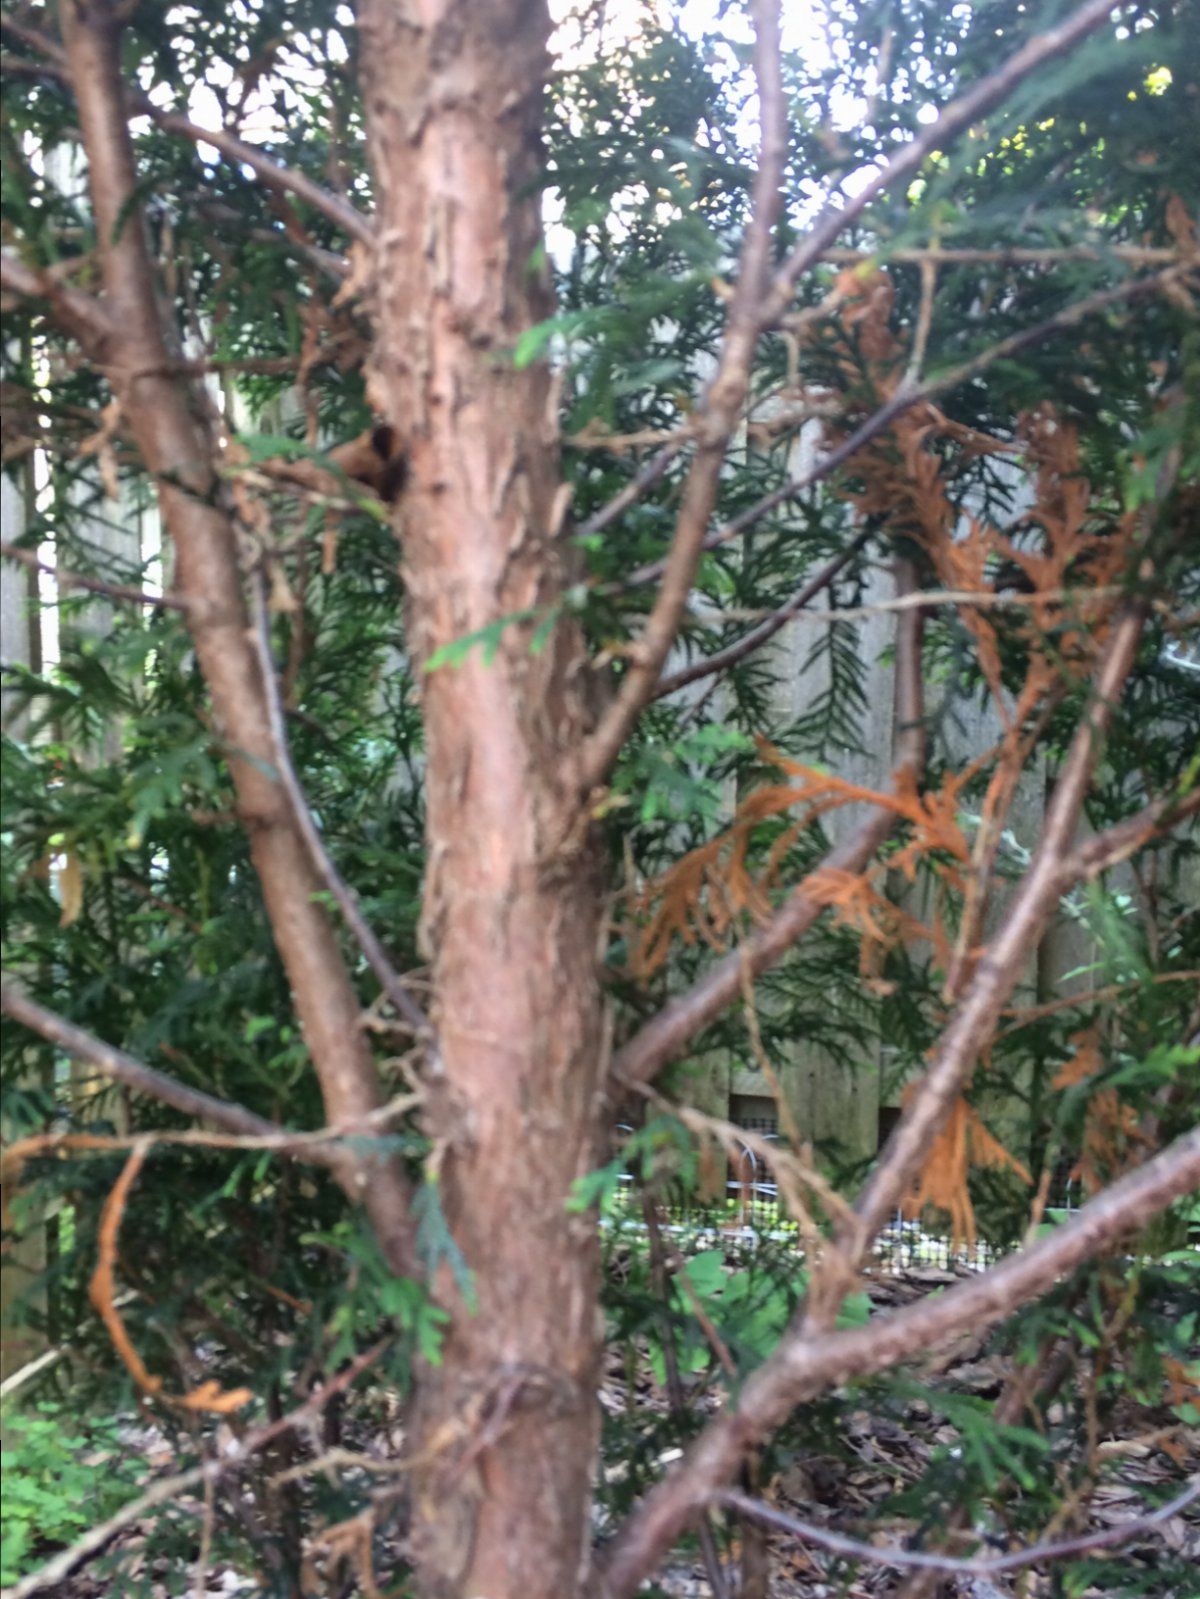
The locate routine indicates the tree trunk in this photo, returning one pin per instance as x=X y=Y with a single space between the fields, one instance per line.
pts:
x=507 y=1426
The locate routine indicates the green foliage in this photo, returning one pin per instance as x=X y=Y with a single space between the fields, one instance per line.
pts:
x=127 y=890
x=62 y=1475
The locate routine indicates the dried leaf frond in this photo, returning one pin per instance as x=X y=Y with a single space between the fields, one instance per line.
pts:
x=963 y=1142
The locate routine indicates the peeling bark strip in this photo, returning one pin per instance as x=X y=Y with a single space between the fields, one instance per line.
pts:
x=508 y=1425
x=170 y=425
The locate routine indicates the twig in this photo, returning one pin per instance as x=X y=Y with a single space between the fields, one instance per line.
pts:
x=79 y=313
x=123 y=1068
x=1131 y=254
x=803 y=1366
x=233 y=1458
x=716 y=418
x=200 y=1579
x=927 y=599
x=793 y=1173
x=639 y=485
x=661 y=1038
x=975 y=1565
x=344 y=895
x=905 y=397
x=721 y=660
x=920 y=342
x=94 y=585
x=793 y=611
x=285 y=180
x=311 y=1145
x=1029 y=1014
x=675 y=1394
x=1123 y=839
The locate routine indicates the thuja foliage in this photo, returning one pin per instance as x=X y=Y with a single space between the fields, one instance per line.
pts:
x=129 y=899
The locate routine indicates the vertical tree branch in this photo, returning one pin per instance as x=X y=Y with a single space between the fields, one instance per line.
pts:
x=717 y=416
x=997 y=972
x=172 y=432
x=347 y=901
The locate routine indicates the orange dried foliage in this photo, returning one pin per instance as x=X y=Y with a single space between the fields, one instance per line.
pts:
x=207 y=1396
x=705 y=892
x=1113 y=1142
x=1084 y=1063
x=903 y=482
x=963 y=1142
x=900 y=479
x=1182 y=1382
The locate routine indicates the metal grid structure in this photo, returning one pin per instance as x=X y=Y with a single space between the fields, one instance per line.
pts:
x=752 y=1211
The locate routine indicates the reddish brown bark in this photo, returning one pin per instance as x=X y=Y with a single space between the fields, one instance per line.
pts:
x=508 y=1424
x=505 y=1429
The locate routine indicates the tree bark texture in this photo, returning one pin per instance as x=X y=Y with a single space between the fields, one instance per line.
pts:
x=507 y=1427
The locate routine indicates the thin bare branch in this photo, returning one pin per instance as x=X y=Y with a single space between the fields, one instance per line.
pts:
x=722 y=660
x=315 y=1146
x=996 y=974
x=234 y=1457
x=126 y=1069
x=347 y=901
x=80 y=314
x=916 y=360
x=905 y=397
x=1129 y=254
x=1028 y=1014
x=284 y=180
x=32 y=38
x=974 y=1566
x=717 y=417
x=953 y=120
x=243 y=1129
x=806 y=1365
x=646 y=477
x=94 y=585
x=1123 y=839
x=662 y=1038
x=675 y=1394
x=928 y=599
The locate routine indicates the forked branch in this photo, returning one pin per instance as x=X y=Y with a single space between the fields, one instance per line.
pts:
x=955 y=118
x=53 y=63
